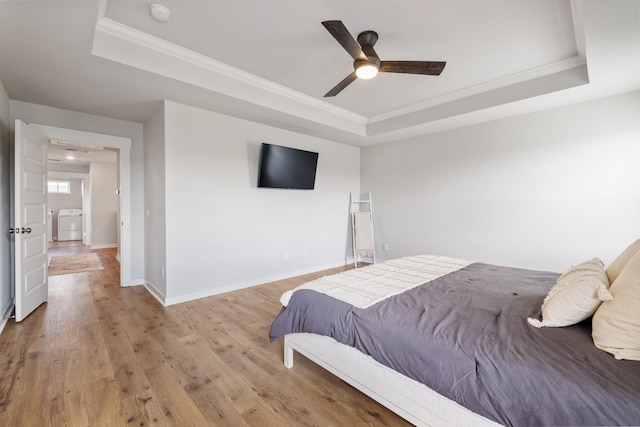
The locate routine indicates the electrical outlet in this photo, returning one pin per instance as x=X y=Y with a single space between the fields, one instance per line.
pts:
x=286 y=255
x=385 y=246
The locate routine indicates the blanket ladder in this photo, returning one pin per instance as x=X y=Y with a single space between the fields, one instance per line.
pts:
x=361 y=210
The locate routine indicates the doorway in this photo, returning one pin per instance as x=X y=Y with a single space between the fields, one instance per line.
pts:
x=122 y=146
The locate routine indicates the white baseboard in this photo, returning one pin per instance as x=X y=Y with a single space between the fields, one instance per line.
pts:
x=5 y=316
x=104 y=246
x=242 y=285
x=133 y=282
x=154 y=292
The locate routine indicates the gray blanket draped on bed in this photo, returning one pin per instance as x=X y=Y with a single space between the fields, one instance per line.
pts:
x=466 y=336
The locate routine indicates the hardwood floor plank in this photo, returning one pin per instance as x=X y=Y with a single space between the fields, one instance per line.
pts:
x=237 y=389
x=148 y=352
x=45 y=336
x=104 y=403
x=32 y=400
x=263 y=415
x=281 y=397
x=94 y=355
x=128 y=373
x=13 y=358
x=143 y=410
x=68 y=397
x=176 y=405
x=211 y=330
x=214 y=404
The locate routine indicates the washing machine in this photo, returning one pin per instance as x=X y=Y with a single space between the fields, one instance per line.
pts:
x=69 y=224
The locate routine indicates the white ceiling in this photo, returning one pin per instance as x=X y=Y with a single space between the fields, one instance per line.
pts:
x=273 y=61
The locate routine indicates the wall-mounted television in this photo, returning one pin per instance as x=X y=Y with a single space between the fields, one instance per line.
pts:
x=285 y=167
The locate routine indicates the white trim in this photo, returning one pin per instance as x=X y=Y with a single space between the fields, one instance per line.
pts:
x=83 y=137
x=242 y=285
x=104 y=246
x=154 y=292
x=525 y=76
x=6 y=316
x=578 y=26
x=132 y=282
x=68 y=175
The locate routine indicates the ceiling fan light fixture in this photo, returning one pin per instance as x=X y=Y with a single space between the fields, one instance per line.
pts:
x=366 y=71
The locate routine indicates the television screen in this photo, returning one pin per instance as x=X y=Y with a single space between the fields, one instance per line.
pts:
x=284 y=167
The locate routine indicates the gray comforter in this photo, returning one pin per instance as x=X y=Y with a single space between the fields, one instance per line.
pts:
x=466 y=336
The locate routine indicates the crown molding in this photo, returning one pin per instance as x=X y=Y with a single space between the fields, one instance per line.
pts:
x=546 y=70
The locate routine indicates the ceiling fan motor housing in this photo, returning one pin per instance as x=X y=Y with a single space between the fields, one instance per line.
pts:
x=367 y=39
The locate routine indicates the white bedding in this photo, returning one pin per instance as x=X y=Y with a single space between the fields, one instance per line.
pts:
x=363 y=287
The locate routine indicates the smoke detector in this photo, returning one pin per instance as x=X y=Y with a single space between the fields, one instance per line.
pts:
x=159 y=12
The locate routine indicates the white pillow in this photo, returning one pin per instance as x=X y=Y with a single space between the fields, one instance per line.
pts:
x=575 y=296
x=616 y=323
x=616 y=266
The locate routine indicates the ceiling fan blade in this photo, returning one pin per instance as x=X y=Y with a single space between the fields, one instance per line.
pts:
x=344 y=83
x=432 y=68
x=344 y=37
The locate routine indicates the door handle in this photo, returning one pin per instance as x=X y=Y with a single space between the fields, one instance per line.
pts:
x=26 y=230
x=12 y=230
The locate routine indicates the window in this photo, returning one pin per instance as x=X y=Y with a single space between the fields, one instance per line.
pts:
x=63 y=187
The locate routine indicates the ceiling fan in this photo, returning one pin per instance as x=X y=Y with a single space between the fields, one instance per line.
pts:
x=366 y=62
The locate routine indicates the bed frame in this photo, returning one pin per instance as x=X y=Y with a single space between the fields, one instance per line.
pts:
x=408 y=398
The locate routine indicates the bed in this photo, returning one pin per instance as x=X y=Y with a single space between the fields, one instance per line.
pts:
x=457 y=349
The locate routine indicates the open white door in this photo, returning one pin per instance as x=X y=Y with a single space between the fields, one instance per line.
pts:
x=30 y=220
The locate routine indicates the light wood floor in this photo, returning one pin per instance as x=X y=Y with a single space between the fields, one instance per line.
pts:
x=101 y=355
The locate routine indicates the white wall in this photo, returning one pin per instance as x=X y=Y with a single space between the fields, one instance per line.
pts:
x=104 y=204
x=155 y=236
x=541 y=191
x=38 y=114
x=5 y=214
x=222 y=232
